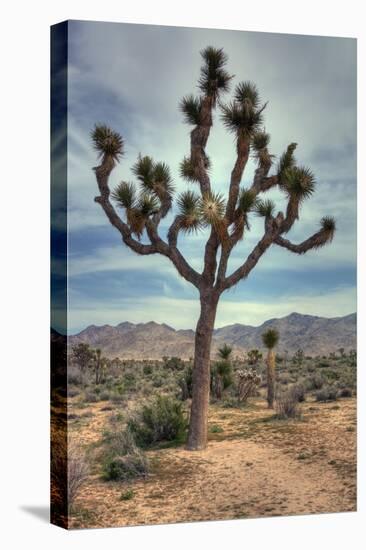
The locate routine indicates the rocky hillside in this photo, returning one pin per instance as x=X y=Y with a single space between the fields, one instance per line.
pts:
x=315 y=335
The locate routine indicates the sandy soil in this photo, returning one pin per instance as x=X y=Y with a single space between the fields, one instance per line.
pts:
x=255 y=467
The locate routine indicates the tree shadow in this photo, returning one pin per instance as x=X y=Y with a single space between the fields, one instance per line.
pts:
x=40 y=512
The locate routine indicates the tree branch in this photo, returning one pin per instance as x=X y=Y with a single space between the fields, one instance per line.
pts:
x=319 y=239
x=157 y=246
x=242 y=148
x=199 y=138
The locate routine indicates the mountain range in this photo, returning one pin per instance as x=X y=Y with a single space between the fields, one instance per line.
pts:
x=314 y=335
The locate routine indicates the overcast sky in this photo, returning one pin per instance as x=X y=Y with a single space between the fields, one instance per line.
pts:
x=132 y=78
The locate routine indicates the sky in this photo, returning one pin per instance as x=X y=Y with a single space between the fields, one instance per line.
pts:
x=132 y=77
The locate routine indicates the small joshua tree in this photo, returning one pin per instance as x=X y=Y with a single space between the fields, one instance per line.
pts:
x=83 y=355
x=227 y=221
x=270 y=340
x=221 y=376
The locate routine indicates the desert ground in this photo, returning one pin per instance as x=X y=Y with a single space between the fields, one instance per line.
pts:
x=255 y=466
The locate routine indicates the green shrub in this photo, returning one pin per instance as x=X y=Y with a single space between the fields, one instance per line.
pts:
x=314 y=382
x=127 y=495
x=104 y=395
x=147 y=370
x=327 y=393
x=123 y=460
x=161 y=420
x=123 y=468
x=215 y=429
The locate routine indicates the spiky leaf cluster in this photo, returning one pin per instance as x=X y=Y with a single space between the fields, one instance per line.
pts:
x=125 y=195
x=244 y=115
x=225 y=352
x=190 y=106
x=212 y=208
x=287 y=160
x=260 y=140
x=107 y=142
x=328 y=224
x=187 y=169
x=147 y=204
x=247 y=201
x=154 y=177
x=265 y=208
x=246 y=93
x=188 y=204
x=298 y=182
x=214 y=79
x=270 y=338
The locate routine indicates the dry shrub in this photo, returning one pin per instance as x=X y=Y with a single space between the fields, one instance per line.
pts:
x=123 y=459
x=248 y=381
x=77 y=472
x=287 y=404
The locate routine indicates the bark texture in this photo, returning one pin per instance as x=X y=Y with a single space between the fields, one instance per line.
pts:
x=197 y=436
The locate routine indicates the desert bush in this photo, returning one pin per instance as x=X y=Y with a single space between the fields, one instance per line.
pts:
x=104 y=395
x=161 y=420
x=299 y=392
x=123 y=460
x=327 y=393
x=74 y=376
x=77 y=472
x=345 y=392
x=91 y=397
x=147 y=370
x=248 y=382
x=324 y=364
x=287 y=404
x=116 y=397
x=72 y=392
x=123 y=468
x=314 y=382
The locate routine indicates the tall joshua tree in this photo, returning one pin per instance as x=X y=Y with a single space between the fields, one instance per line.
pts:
x=145 y=205
x=270 y=340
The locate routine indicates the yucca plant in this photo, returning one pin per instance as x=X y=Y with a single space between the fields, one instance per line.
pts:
x=107 y=142
x=189 y=208
x=270 y=339
x=146 y=202
x=222 y=371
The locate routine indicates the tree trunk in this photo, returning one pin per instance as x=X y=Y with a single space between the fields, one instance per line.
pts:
x=270 y=378
x=197 y=436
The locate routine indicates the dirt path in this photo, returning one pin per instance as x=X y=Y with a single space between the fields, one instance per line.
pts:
x=273 y=468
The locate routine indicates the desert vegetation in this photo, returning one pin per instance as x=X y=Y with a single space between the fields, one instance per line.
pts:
x=129 y=427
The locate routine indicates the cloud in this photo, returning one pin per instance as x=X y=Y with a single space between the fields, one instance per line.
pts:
x=132 y=77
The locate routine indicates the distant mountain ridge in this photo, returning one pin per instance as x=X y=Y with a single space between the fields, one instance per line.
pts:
x=315 y=335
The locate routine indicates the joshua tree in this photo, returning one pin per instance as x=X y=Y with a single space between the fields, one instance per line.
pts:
x=83 y=355
x=222 y=371
x=270 y=340
x=227 y=220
